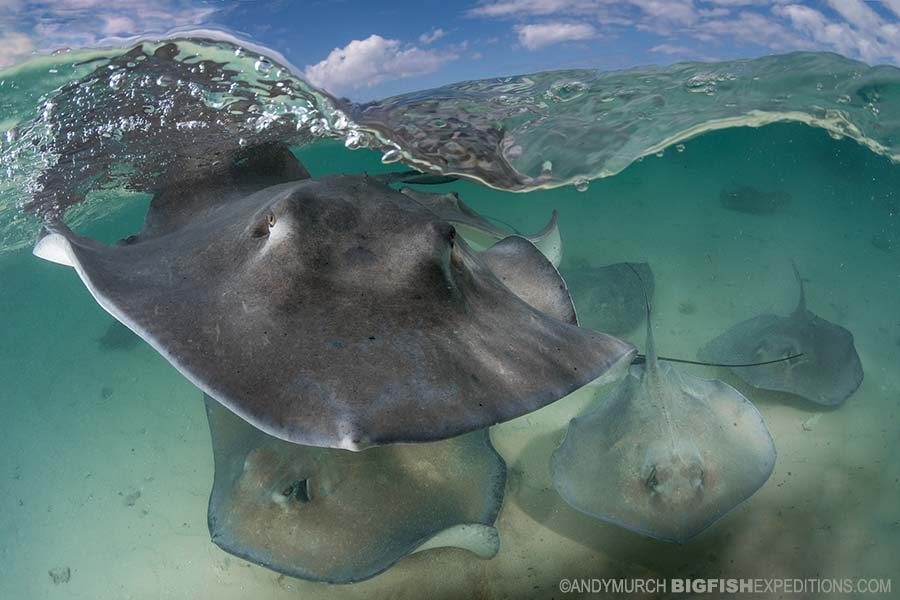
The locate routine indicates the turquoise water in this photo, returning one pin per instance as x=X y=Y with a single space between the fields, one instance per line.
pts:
x=105 y=460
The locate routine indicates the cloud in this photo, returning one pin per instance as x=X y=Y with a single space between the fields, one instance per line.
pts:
x=14 y=45
x=433 y=36
x=864 y=33
x=671 y=49
x=857 y=28
x=515 y=8
x=365 y=63
x=539 y=35
x=52 y=24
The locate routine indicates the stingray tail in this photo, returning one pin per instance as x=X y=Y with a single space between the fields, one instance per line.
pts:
x=801 y=303
x=651 y=357
x=651 y=347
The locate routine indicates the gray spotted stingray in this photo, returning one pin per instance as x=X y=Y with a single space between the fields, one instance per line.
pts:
x=827 y=372
x=666 y=454
x=336 y=311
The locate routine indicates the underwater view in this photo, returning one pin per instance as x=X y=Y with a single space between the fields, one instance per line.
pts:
x=624 y=332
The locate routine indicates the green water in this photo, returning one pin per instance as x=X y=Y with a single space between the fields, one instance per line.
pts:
x=105 y=461
x=88 y=427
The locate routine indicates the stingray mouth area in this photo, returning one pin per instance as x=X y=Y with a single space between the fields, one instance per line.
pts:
x=673 y=479
x=267 y=473
x=296 y=492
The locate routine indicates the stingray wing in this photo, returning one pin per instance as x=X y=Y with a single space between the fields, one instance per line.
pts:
x=828 y=373
x=336 y=516
x=336 y=332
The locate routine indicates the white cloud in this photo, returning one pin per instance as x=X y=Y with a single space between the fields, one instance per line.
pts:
x=14 y=45
x=117 y=25
x=671 y=49
x=433 y=36
x=515 y=8
x=539 y=35
x=52 y=24
x=856 y=13
x=864 y=34
x=672 y=11
x=856 y=28
x=750 y=28
x=894 y=5
x=364 y=63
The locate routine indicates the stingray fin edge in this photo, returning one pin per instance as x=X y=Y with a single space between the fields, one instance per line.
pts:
x=549 y=241
x=53 y=245
x=481 y=540
x=553 y=298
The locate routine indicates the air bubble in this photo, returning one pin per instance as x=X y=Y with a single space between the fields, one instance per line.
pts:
x=263 y=65
x=660 y=154
x=391 y=156
x=116 y=79
x=679 y=147
x=238 y=52
x=581 y=184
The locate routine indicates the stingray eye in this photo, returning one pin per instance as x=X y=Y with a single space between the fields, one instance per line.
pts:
x=452 y=236
x=271 y=220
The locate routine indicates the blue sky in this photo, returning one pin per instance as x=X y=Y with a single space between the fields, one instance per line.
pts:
x=368 y=49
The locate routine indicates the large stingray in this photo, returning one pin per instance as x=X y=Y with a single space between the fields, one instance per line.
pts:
x=666 y=454
x=337 y=311
x=480 y=232
x=610 y=298
x=828 y=372
x=331 y=515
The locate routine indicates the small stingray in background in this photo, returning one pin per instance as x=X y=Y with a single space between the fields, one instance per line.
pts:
x=828 y=372
x=666 y=455
x=337 y=516
x=747 y=199
x=337 y=311
x=481 y=233
x=610 y=298
x=118 y=337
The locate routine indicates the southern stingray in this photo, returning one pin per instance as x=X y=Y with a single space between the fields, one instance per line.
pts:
x=828 y=372
x=666 y=455
x=332 y=515
x=337 y=311
x=610 y=298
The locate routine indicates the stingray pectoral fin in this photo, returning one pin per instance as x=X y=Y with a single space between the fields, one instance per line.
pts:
x=54 y=246
x=548 y=240
x=481 y=540
x=525 y=270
